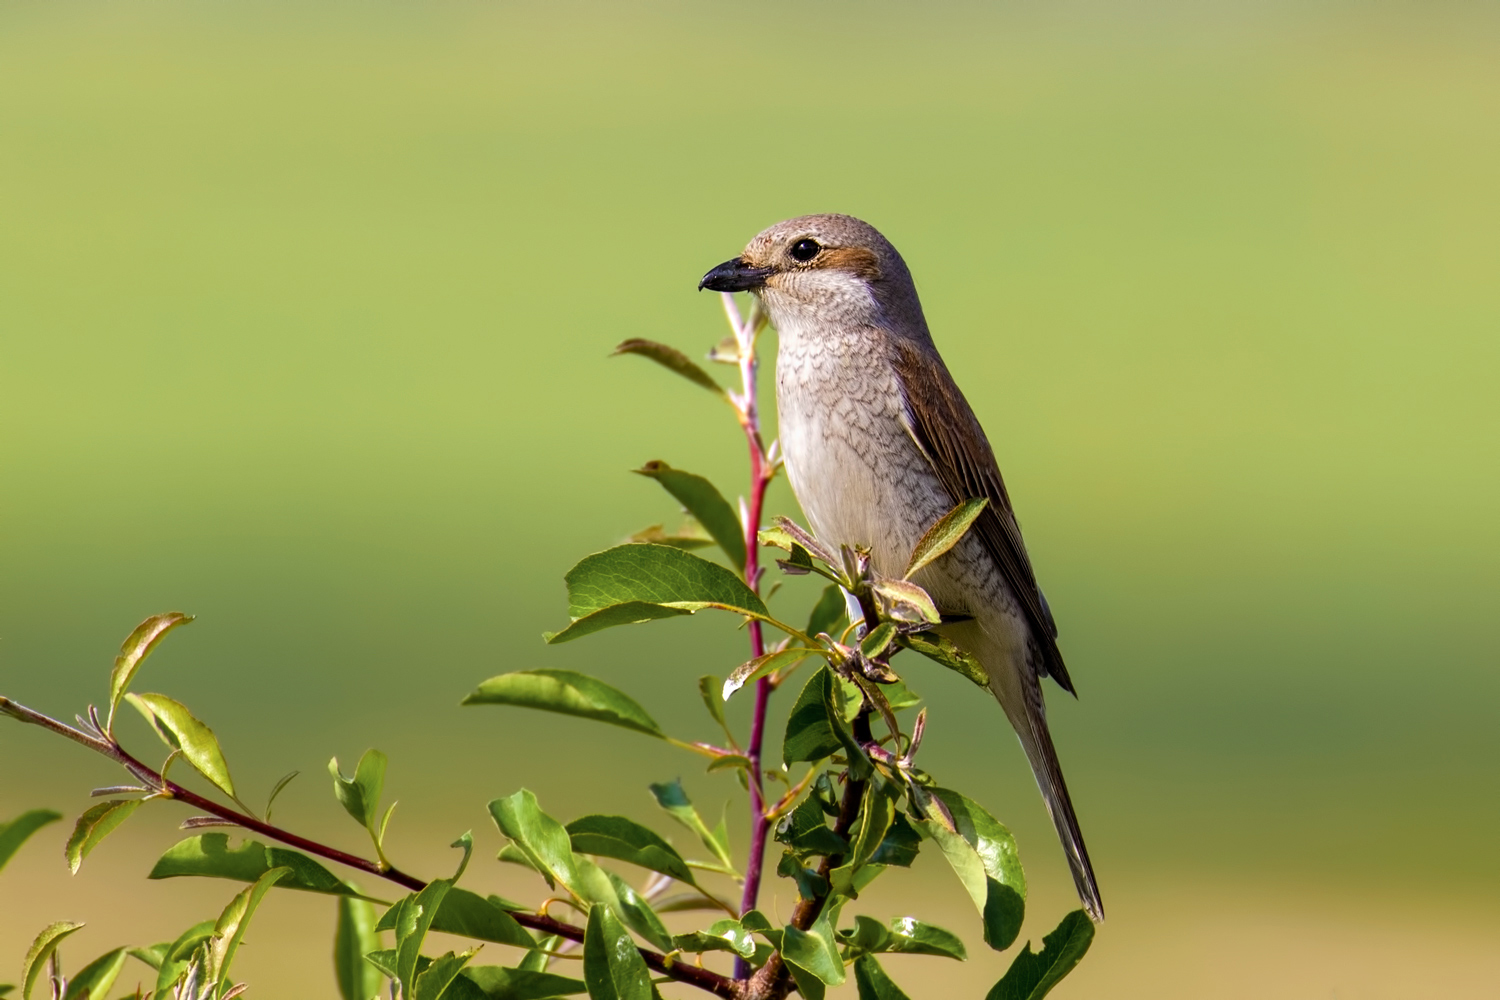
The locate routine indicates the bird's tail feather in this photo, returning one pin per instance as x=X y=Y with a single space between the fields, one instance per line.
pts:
x=1037 y=742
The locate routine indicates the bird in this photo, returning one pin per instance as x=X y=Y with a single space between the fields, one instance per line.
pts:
x=879 y=443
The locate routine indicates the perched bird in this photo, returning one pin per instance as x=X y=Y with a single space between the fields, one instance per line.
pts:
x=879 y=443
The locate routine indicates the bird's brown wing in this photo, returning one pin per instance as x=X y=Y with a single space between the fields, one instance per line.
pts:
x=946 y=429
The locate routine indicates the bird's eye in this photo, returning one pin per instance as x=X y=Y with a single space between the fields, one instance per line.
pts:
x=805 y=250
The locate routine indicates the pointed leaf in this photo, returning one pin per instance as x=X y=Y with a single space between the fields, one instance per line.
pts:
x=412 y=924
x=626 y=840
x=644 y=575
x=541 y=838
x=41 y=949
x=360 y=795
x=671 y=797
x=209 y=855
x=567 y=693
x=708 y=690
x=431 y=982
x=762 y=665
x=704 y=501
x=1032 y=976
x=179 y=954
x=672 y=358
x=690 y=536
x=94 y=825
x=179 y=729
x=724 y=935
x=612 y=966
x=638 y=914
x=945 y=533
x=872 y=981
x=900 y=845
x=17 y=831
x=913 y=937
x=153 y=955
x=354 y=938
x=93 y=981
x=814 y=953
x=522 y=984
x=809 y=731
x=626 y=613
x=229 y=931
x=983 y=854
x=903 y=601
x=949 y=654
x=876 y=814
x=135 y=650
x=879 y=640
x=470 y=915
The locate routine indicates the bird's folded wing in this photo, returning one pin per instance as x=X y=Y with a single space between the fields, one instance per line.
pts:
x=945 y=428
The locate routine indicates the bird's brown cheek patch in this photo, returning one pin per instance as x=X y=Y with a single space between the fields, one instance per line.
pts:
x=856 y=260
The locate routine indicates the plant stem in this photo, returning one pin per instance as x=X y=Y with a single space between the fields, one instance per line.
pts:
x=691 y=974
x=761 y=473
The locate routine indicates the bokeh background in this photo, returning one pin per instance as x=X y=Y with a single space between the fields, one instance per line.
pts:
x=305 y=312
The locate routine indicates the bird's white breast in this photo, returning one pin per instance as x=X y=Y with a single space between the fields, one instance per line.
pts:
x=857 y=473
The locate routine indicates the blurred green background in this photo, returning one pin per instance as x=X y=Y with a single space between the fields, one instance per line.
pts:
x=305 y=313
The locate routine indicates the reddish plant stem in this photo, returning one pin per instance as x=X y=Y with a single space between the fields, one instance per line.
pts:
x=761 y=473
x=693 y=975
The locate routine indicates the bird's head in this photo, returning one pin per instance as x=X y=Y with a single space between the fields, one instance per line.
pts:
x=822 y=268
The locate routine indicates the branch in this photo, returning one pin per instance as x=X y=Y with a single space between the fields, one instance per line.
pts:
x=711 y=982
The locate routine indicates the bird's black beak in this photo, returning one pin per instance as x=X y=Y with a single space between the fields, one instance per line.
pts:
x=734 y=276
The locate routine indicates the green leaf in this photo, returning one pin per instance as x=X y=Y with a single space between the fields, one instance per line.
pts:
x=809 y=731
x=990 y=868
x=828 y=612
x=179 y=953
x=638 y=914
x=690 y=536
x=522 y=984
x=93 y=981
x=360 y=795
x=704 y=501
x=810 y=885
x=873 y=983
x=470 y=915
x=814 y=953
x=708 y=690
x=566 y=693
x=903 y=601
x=723 y=935
x=209 y=855
x=538 y=958
x=672 y=358
x=1032 y=976
x=646 y=576
x=17 y=831
x=413 y=920
x=134 y=652
x=153 y=955
x=431 y=982
x=625 y=613
x=900 y=845
x=179 y=729
x=543 y=840
x=949 y=654
x=945 y=533
x=806 y=832
x=671 y=797
x=913 y=937
x=816 y=728
x=762 y=665
x=626 y=840
x=41 y=949
x=879 y=640
x=94 y=825
x=876 y=814
x=612 y=966
x=229 y=931
x=354 y=938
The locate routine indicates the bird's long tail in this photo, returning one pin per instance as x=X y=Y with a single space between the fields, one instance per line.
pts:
x=1037 y=742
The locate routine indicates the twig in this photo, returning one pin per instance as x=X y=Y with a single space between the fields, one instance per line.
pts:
x=692 y=975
